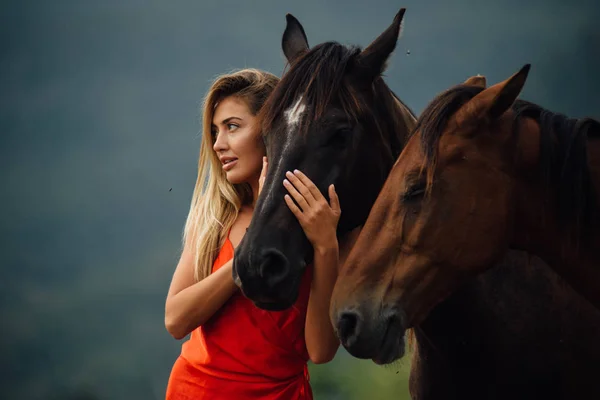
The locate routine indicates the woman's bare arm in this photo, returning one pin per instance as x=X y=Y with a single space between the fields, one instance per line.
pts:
x=321 y=340
x=319 y=220
x=190 y=304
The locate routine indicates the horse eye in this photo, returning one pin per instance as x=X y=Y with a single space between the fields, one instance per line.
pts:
x=339 y=137
x=345 y=130
x=414 y=192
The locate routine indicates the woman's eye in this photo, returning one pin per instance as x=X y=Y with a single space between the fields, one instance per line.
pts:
x=232 y=127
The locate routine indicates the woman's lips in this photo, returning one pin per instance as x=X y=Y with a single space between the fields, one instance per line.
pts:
x=227 y=165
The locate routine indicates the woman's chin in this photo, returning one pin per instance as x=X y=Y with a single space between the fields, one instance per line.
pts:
x=235 y=178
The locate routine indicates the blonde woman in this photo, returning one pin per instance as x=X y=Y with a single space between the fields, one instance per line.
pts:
x=237 y=351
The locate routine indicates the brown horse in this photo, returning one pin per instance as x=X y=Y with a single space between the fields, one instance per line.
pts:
x=483 y=173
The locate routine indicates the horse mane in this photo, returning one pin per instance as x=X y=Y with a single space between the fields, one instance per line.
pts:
x=319 y=77
x=316 y=76
x=564 y=162
x=436 y=115
x=563 y=152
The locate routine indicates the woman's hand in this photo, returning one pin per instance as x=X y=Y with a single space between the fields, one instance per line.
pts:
x=317 y=217
x=263 y=174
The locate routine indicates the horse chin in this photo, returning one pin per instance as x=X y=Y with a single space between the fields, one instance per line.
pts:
x=383 y=345
x=392 y=349
x=274 y=306
x=277 y=304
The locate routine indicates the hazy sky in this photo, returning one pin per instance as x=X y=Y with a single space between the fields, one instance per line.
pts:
x=99 y=123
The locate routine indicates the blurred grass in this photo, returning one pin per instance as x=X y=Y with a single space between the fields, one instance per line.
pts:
x=349 y=378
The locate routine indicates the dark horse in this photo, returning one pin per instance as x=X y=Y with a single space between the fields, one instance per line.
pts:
x=333 y=117
x=483 y=172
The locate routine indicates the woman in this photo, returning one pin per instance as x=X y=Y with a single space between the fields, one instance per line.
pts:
x=237 y=351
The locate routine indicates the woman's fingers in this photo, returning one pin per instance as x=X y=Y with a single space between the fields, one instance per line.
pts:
x=317 y=216
x=296 y=195
x=310 y=186
x=293 y=207
x=301 y=187
x=265 y=165
x=263 y=174
x=334 y=200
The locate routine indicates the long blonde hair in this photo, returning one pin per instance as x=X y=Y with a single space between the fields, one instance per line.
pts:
x=216 y=202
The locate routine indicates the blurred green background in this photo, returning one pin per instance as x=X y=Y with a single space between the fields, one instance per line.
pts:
x=99 y=123
x=348 y=378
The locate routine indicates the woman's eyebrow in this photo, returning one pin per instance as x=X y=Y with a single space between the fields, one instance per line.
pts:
x=227 y=120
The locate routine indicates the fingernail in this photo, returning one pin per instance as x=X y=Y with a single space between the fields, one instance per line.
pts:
x=288 y=173
x=296 y=171
x=286 y=182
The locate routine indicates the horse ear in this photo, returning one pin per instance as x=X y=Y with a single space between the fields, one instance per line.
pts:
x=507 y=92
x=477 y=80
x=371 y=62
x=494 y=101
x=294 y=41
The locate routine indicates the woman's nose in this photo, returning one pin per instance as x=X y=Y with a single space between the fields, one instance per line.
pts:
x=220 y=143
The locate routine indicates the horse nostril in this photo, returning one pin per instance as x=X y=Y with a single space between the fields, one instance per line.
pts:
x=274 y=268
x=348 y=327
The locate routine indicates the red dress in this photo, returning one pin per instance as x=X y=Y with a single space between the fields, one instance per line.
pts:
x=243 y=352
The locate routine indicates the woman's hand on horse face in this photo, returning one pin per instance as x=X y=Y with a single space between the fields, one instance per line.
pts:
x=263 y=174
x=317 y=217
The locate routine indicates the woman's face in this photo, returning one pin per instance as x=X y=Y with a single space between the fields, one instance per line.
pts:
x=237 y=141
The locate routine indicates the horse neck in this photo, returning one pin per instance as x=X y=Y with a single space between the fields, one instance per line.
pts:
x=538 y=231
x=393 y=133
